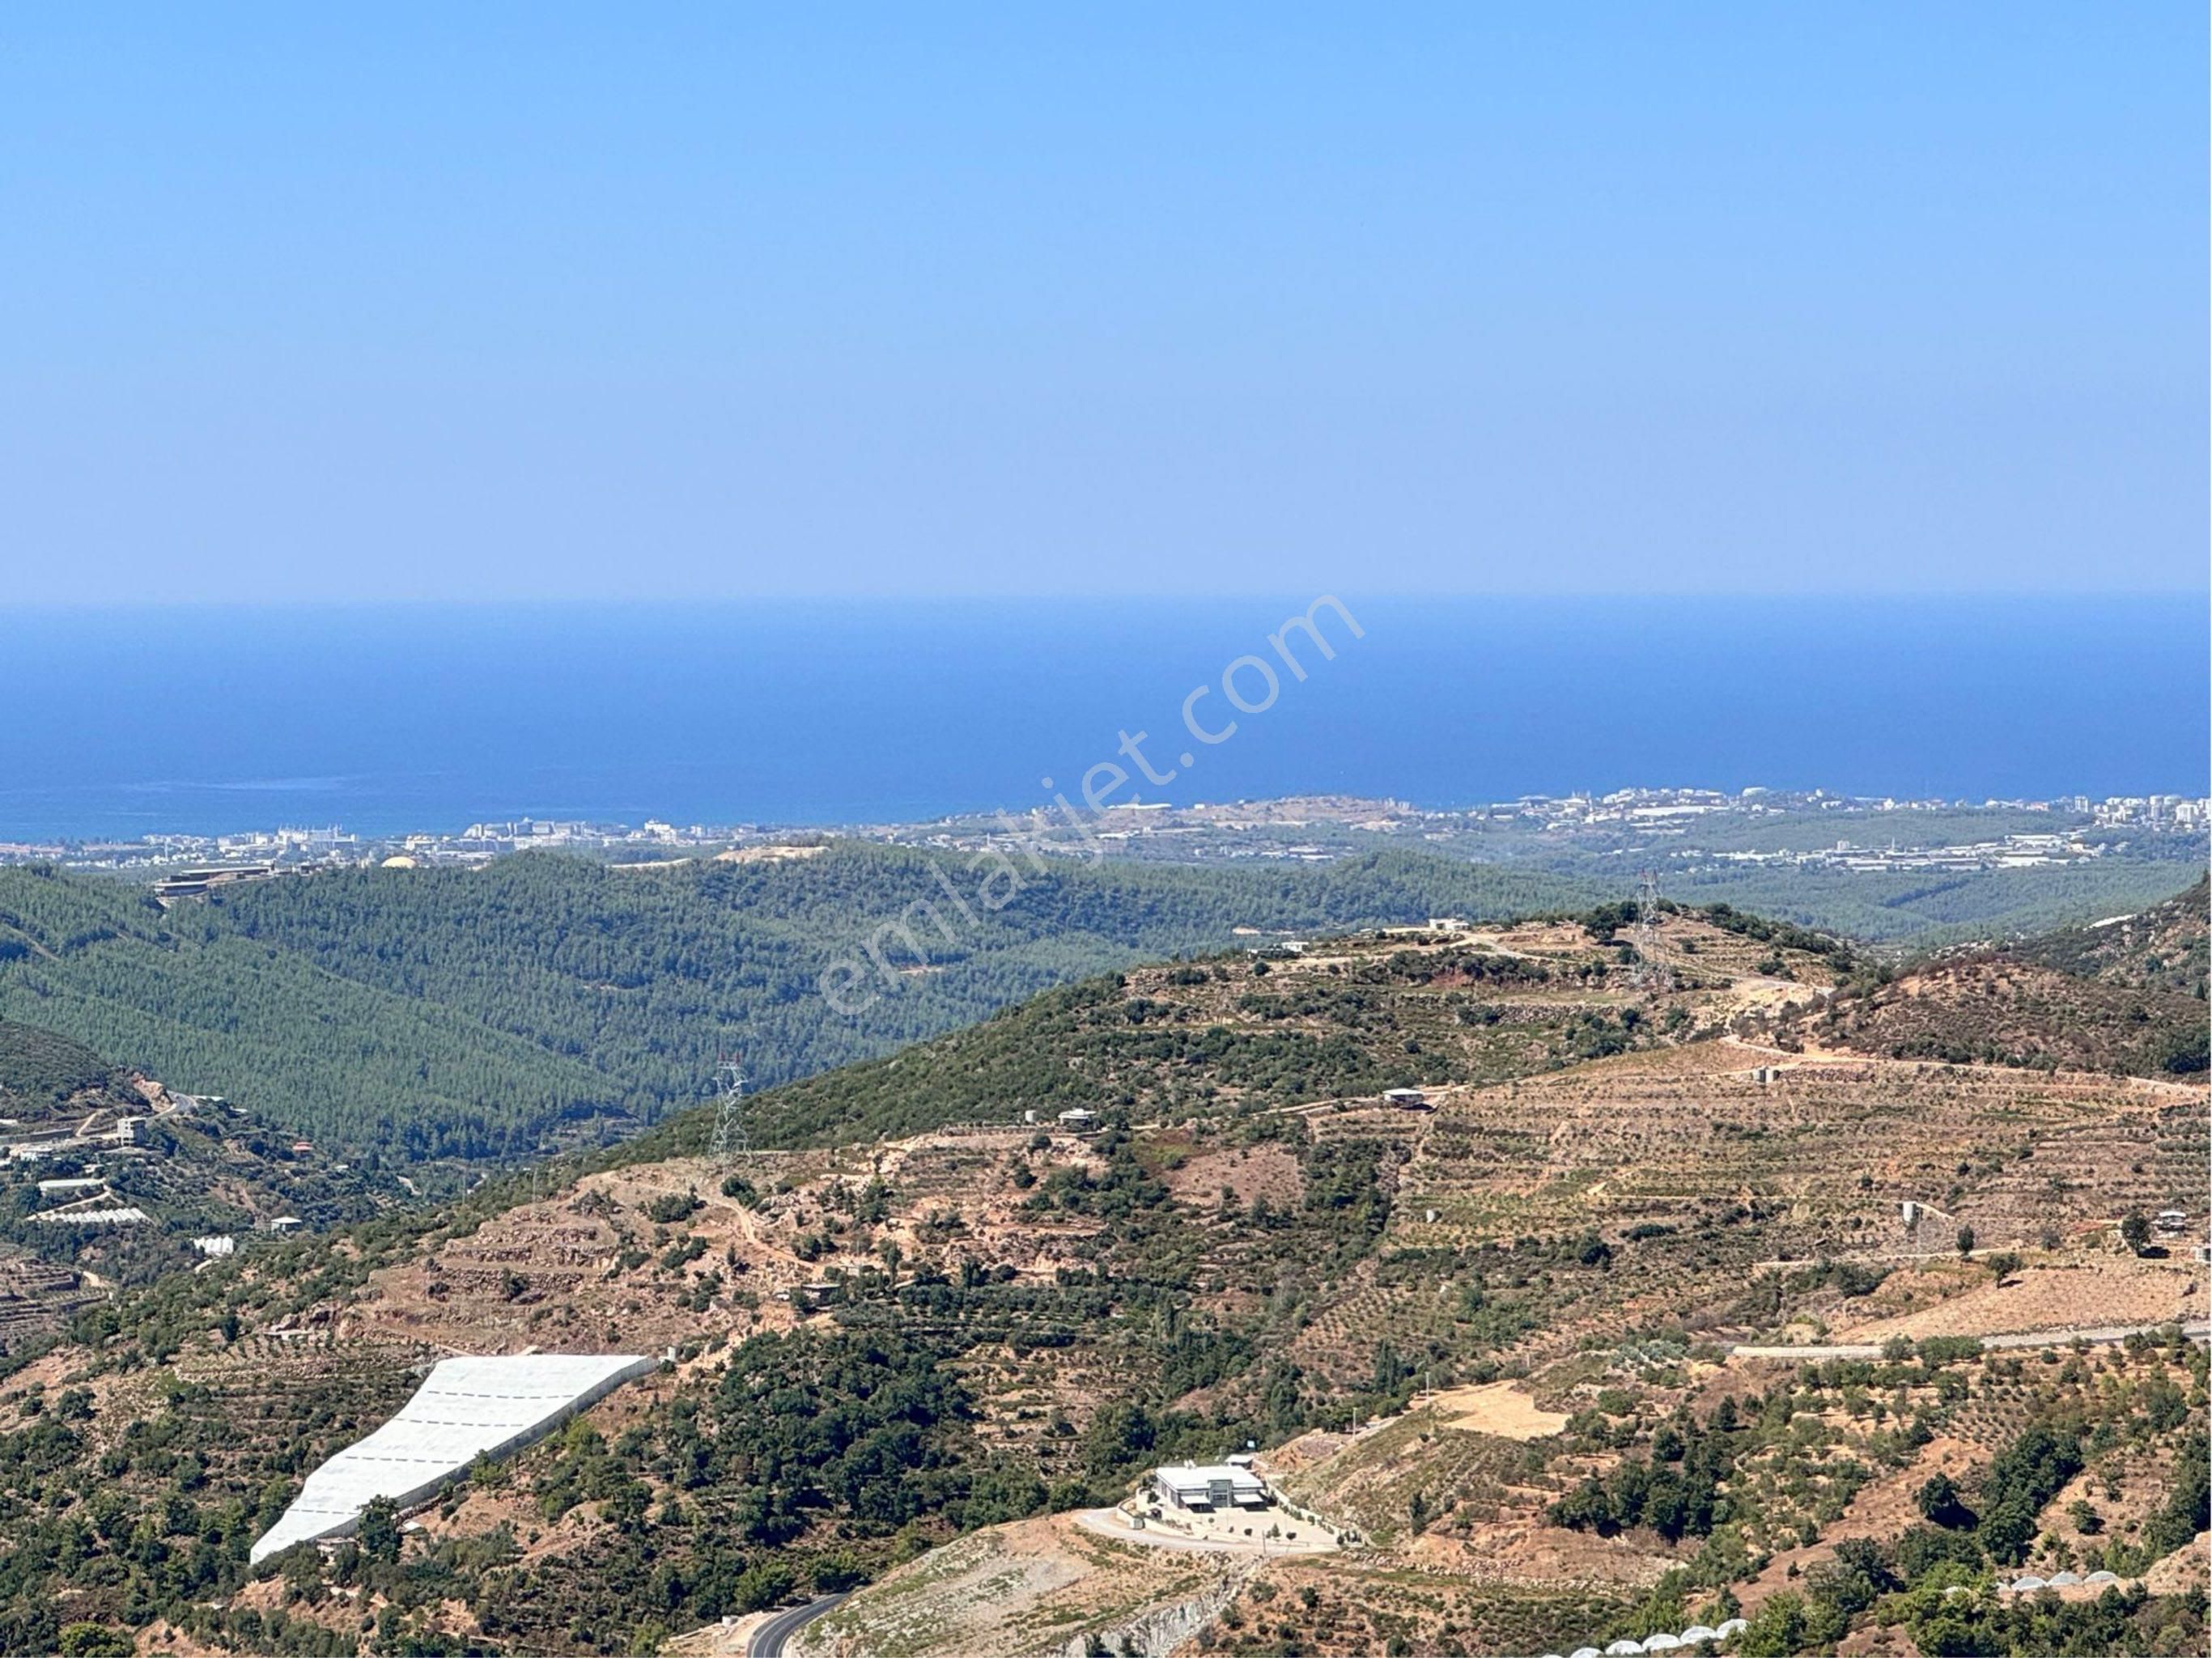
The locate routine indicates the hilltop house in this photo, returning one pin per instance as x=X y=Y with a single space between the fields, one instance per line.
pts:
x=1212 y=1485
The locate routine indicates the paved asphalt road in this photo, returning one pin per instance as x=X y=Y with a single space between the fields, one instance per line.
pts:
x=768 y=1640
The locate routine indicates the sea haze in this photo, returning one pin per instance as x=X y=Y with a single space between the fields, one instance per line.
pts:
x=123 y=722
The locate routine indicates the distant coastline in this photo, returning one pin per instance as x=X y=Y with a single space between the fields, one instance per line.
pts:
x=127 y=722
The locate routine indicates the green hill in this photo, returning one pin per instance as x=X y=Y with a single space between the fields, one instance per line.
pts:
x=41 y=1071
x=491 y=1012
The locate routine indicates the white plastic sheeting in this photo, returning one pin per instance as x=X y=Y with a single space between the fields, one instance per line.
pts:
x=1696 y=1634
x=466 y=1408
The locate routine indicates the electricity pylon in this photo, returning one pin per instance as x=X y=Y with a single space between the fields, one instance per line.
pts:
x=730 y=1142
x=1650 y=973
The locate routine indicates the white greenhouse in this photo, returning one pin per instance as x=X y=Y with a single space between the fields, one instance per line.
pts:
x=466 y=1408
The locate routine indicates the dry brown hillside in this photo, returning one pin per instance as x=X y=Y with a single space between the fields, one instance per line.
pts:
x=2161 y=948
x=1999 y=1009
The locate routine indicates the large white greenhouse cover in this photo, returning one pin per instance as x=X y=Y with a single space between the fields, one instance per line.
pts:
x=467 y=1408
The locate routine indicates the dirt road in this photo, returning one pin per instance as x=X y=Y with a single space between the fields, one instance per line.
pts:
x=2096 y=1335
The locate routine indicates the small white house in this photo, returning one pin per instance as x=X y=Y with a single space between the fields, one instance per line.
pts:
x=1212 y=1485
x=1406 y=1099
x=1079 y=1120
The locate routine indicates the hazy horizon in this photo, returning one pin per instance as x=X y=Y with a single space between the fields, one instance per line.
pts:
x=557 y=304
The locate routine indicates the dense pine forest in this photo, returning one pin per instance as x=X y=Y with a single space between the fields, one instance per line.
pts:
x=487 y=1013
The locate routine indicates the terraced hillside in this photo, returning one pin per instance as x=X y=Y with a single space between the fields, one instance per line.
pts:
x=106 y=1176
x=1523 y=1345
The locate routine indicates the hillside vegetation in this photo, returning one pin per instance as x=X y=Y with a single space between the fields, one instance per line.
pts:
x=188 y=1168
x=489 y=1012
x=1921 y=909
x=42 y=1072
x=924 y=1316
x=2128 y=995
x=2161 y=948
x=1991 y=1009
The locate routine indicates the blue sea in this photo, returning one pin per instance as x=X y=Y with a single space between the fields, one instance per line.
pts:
x=117 y=722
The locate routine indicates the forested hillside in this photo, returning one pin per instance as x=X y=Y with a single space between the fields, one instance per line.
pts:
x=180 y=996
x=40 y=1071
x=1921 y=909
x=475 y=1013
x=2123 y=996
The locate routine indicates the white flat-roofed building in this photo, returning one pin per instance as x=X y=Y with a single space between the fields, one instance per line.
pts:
x=1210 y=1486
x=466 y=1408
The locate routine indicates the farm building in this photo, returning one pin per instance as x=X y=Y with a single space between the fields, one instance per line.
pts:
x=1405 y=1099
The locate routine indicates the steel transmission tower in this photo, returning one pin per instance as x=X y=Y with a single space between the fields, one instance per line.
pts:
x=730 y=1141
x=1651 y=974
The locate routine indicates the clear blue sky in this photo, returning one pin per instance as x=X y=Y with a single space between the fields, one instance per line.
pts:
x=478 y=302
